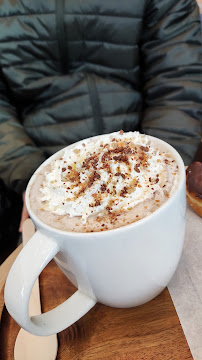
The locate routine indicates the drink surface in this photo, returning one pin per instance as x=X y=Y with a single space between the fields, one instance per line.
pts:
x=104 y=183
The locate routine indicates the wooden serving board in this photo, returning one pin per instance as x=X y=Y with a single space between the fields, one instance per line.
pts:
x=148 y=332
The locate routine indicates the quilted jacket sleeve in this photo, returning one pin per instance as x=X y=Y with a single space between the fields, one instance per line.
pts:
x=171 y=53
x=19 y=157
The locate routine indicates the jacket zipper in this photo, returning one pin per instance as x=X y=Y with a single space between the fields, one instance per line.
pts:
x=60 y=28
x=95 y=103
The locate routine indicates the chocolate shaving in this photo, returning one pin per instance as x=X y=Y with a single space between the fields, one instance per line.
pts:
x=91 y=180
x=136 y=168
x=123 y=191
x=121 y=158
x=108 y=208
x=144 y=148
x=103 y=187
x=120 y=174
x=127 y=150
x=97 y=176
x=106 y=157
x=119 y=149
x=90 y=161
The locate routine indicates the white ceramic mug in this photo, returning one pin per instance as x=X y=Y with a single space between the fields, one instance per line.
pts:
x=123 y=267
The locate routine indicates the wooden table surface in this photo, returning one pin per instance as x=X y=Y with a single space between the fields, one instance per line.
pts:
x=148 y=332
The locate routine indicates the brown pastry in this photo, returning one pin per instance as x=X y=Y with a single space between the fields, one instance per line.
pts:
x=194 y=186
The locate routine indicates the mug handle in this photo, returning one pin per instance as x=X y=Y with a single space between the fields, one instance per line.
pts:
x=33 y=258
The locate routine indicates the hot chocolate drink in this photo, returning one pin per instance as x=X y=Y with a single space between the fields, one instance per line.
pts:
x=103 y=183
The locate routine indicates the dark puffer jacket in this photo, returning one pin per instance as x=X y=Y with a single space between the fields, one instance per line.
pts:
x=71 y=69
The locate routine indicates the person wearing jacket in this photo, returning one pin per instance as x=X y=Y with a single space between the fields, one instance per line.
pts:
x=70 y=70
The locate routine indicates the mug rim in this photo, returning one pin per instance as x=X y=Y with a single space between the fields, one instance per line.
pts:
x=137 y=223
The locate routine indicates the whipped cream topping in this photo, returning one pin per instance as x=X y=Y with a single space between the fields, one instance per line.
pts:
x=109 y=174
